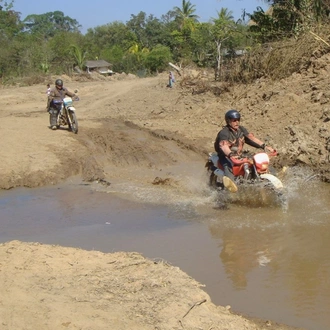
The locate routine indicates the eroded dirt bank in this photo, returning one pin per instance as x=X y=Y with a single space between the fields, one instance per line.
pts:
x=66 y=288
x=132 y=129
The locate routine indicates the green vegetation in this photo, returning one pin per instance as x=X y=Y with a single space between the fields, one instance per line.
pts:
x=273 y=43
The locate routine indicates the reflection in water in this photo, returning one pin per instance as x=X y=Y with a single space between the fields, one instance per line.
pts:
x=241 y=252
x=265 y=260
x=284 y=255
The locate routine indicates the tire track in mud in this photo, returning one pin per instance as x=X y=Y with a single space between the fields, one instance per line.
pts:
x=121 y=149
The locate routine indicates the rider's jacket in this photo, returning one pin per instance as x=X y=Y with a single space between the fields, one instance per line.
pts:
x=234 y=139
x=58 y=95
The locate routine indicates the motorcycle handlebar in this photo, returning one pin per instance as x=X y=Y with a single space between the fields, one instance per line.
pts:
x=76 y=98
x=236 y=160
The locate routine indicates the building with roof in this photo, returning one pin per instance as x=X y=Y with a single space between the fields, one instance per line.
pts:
x=100 y=66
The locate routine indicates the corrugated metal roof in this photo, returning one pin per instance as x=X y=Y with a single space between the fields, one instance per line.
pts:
x=97 y=64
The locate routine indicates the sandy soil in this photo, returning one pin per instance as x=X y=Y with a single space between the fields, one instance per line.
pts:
x=133 y=129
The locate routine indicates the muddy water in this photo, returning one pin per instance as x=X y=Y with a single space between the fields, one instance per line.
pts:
x=267 y=260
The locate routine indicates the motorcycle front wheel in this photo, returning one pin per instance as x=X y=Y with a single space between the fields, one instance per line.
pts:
x=73 y=122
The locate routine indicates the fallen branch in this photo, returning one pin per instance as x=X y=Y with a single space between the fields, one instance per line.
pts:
x=176 y=68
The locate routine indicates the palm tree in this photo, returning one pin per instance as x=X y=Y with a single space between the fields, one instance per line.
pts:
x=78 y=55
x=185 y=15
x=224 y=15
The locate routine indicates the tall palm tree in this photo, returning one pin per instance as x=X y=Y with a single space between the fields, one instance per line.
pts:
x=185 y=14
x=224 y=15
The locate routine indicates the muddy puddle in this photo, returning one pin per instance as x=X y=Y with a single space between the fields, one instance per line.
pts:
x=266 y=261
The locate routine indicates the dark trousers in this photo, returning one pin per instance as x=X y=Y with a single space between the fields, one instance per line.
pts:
x=227 y=167
x=53 y=113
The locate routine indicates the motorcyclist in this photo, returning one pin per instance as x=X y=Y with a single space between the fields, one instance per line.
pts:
x=229 y=144
x=55 y=97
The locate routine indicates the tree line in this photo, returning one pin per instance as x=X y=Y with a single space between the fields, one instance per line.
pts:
x=53 y=43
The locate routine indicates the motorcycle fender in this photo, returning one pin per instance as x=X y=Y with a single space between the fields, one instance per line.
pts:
x=72 y=108
x=273 y=180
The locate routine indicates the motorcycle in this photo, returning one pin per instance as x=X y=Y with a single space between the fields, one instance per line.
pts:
x=249 y=169
x=67 y=114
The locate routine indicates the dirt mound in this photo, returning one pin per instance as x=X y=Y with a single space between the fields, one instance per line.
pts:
x=52 y=287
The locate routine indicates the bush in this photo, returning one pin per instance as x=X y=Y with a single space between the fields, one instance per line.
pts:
x=157 y=59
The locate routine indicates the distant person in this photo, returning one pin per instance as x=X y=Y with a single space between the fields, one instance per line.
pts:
x=55 y=99
x=171 y=79
x=48 y=89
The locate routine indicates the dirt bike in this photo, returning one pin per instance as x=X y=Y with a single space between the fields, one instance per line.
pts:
x=67 y=114
x=250 y=169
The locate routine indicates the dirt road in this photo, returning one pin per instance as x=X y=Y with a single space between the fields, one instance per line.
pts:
x=293 y=116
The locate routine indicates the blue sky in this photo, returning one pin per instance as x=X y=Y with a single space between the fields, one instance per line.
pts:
x=93 y=13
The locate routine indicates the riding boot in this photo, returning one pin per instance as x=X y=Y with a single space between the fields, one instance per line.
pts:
x=229 y=184
x=228 y=172
x=229 y=180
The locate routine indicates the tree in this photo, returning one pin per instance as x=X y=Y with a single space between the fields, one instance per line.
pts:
x=8 y=4
x=137 y=55
x=137 y=25
x=170 y=28
x=157 y=59
x=149 y=30
x=10 y=23
x=112 y=42
x=288 y=18
x=185 y=16
x=60 y=53
x=156 y=32
x=48 y=24
x=115 y=56
x=186 y=21
x=202 y=44
x=222 y=30
x=79 y=55
x=319 y=9
x=224 y=16
x=109 y=35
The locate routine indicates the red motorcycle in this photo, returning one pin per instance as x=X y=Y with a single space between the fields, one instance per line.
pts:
x=252 y=169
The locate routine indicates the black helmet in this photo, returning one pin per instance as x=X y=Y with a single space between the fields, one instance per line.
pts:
x=232 y=114
x=59 y=82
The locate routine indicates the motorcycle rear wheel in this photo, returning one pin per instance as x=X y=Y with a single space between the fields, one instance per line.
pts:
x=73 y=122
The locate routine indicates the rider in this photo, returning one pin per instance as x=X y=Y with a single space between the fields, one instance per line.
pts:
x=58 y=93
x=229 y=144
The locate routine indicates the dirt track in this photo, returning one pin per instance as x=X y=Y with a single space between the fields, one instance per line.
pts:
x=293 y=116
x=132 y=129
x=114 y=127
